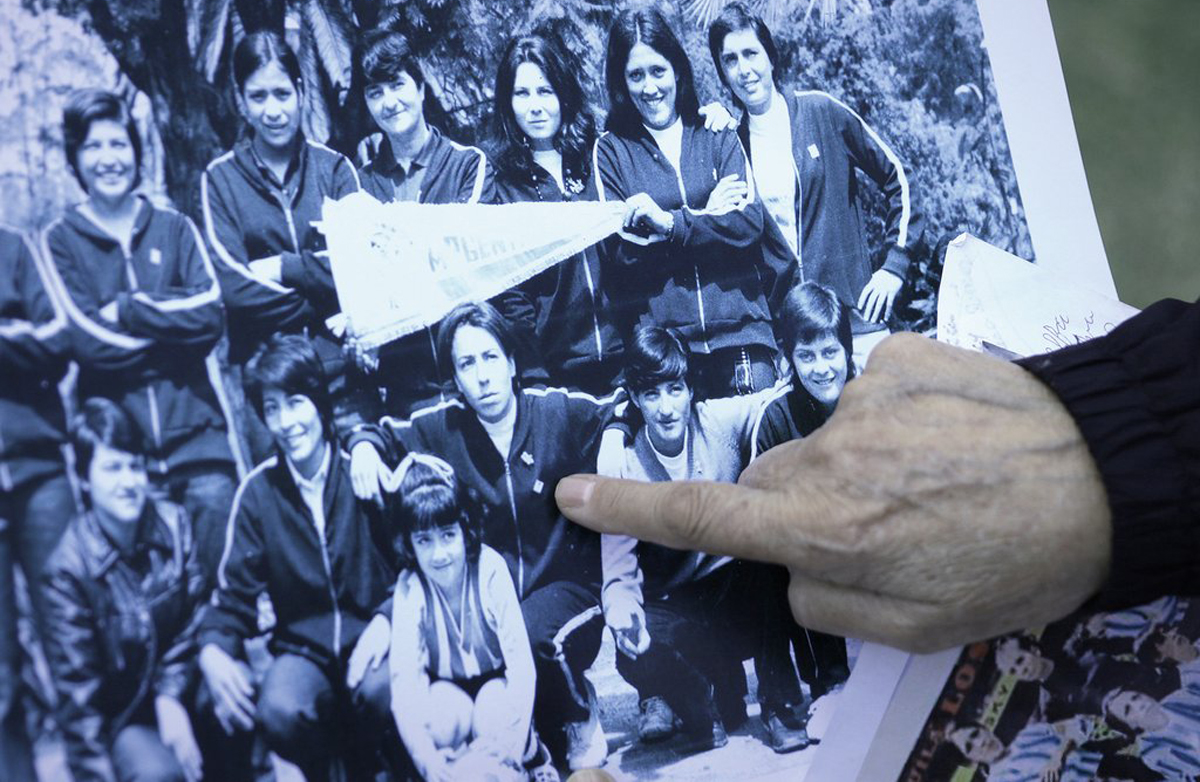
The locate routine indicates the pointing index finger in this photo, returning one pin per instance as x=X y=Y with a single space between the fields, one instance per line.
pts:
x=717 y=518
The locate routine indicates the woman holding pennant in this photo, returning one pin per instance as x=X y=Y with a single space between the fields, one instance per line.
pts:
x=260 y=201
x=693 y=259
x=542 y=144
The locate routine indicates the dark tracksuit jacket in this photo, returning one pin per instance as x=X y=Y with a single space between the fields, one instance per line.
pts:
x=33 y=358
x=248 y=216
x=453 y=174
x=710 y=279
x=557 y=433
x=324 y=591
x=157 y=360
x=567 y=306
x=830 y=143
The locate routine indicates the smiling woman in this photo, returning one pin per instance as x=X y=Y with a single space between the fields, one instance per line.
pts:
x=694 y=257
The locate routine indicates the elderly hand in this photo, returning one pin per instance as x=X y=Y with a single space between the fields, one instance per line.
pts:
x=949 y=498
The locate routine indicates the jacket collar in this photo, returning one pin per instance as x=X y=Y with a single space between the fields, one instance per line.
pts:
x=644 y=450
x=84 y=225
x=483 y=450
x=257 y=173
x=103 y=552
x=386 y=157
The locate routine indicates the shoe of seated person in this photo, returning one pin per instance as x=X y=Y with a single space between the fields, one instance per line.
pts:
x=785 y=733
x=587 y=747
x=702 y=738
x=657 y=720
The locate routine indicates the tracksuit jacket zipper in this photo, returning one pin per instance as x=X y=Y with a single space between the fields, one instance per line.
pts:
x=152 y=398
x=337 y=612
x=512 y=506
x=695 y=267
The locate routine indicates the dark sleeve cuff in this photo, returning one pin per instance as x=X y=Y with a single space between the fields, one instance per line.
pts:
x=1135 y=396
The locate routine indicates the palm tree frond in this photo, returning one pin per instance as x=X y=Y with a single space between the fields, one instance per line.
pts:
x=330 y=32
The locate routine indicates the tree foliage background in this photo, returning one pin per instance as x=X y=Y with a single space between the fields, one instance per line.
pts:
x=916 y=70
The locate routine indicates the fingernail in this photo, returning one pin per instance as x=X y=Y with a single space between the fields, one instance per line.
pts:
x=573 y=492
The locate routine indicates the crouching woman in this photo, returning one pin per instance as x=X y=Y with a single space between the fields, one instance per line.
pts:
x=123 y=589
x=461 y=666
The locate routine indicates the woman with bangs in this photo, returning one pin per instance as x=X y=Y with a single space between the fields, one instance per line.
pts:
x=461 y=667
x=694 y=258
x=817 y=337
x=542 y=146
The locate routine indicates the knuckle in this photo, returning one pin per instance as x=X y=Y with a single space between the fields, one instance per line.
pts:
x=682 y=513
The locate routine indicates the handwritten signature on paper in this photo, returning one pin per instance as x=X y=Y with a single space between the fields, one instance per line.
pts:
x=1061 y=333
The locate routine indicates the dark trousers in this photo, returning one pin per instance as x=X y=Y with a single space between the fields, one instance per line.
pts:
x=699 y=634
x=32 y=520
x=565 y=627
x=309 y=718
x=139 y=755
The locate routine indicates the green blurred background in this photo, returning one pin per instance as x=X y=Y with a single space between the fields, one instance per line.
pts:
x=1133 y=74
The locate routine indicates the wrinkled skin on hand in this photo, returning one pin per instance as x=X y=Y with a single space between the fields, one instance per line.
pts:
x=950 y=498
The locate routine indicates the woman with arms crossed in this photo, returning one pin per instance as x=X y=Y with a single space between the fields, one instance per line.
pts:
x=695 y=262
x=807 y=149
x=260 y=200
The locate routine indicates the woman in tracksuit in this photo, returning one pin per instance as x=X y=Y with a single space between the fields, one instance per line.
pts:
x=512 y=448
x=36 y=500
x=415 y=163
x=260 y=201
x=145 y=307
x=693 y=259
x=808 y=148
x=542 y=152
x=298 y=535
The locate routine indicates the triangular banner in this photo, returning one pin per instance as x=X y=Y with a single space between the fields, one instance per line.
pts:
x=399 y=267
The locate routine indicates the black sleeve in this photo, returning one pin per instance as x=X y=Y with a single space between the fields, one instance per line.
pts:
x=1135 y=395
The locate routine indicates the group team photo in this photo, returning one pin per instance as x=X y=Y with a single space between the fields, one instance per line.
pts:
x=236 y=544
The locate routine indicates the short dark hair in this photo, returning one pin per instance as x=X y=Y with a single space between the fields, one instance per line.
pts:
x=511 y=154
x=88 y=106
x=481 y=315
x=656 y=355
x=290 y=363
x=260 y=49
x=382 y=55
x=810 y=312
x=649 y=27
x=733 y=18
x=102 y=421
x=429 y=500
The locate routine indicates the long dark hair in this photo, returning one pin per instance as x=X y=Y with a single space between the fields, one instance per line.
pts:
x=510 y=152
x=649 y=27
x=259 y=49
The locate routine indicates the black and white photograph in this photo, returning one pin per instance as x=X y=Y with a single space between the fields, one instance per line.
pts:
x=254 y=529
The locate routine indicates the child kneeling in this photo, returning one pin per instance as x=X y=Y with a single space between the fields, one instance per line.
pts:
x=461 y=667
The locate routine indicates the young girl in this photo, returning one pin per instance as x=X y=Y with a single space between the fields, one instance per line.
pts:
x=461 y=666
